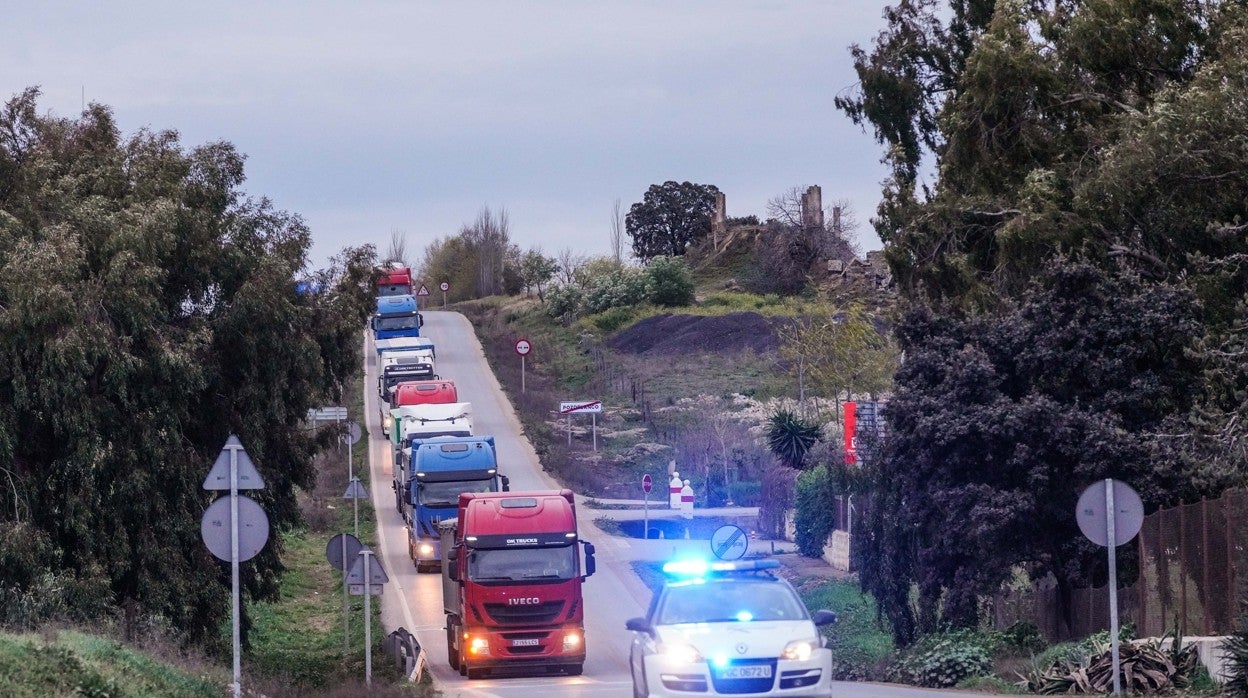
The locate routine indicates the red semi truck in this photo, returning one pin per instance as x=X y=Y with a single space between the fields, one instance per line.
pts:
x=511 y=583
x=395 y=281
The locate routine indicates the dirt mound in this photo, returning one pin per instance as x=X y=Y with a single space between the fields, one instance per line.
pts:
x=669 y=334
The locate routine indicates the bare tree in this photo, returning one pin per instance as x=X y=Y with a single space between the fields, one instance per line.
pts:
x=569 y=264
x=489 y=237
x=617 y=231
x=398 y=248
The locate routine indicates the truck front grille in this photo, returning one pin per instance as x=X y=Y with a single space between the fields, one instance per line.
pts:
x=504 y=614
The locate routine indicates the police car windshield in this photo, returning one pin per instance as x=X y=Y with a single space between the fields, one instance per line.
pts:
x=554 y=563
x=728 y=601
x=407 y=322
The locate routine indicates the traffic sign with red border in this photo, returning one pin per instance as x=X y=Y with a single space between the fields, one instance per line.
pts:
x=444 y=286
x=523 y=347
x=424 y=290
x=647 y=483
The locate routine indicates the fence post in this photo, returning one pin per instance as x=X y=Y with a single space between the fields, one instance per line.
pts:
x=1206 y=594
x=1163 y=566
x=1182 y=569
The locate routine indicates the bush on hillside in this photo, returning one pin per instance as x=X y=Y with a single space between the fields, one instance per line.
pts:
x=668 y=282
x=815 y=515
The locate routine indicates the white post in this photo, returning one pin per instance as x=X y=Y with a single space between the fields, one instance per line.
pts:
x=593 y=429
x=368 y=622
x=569 y=429
x=522 y=373
x=1111 y=544
x=237 y=685
x=646 y=516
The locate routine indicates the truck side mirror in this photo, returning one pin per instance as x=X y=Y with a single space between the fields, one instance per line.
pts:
x=506 y=483
x=452 y=569
x=591 y=565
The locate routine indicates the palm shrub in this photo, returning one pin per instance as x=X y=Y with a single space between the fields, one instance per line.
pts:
x=1235 y=652
x=790 y=438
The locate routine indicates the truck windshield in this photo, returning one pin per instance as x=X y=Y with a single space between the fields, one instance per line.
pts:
x=403 y=322
x=446 y=494
x=514 y=564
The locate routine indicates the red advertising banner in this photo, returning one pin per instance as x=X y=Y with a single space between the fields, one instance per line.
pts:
x=851 y=433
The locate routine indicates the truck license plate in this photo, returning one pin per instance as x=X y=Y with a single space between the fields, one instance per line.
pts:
x=746 y=672
x=530 y=642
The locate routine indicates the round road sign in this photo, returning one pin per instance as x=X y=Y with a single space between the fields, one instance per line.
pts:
x=1128 y=513
x=253 y=528
x=334 y=550
x=523 y=347
x=352 y=435
x=444 y=286
x=646 y=483
x=729 y=542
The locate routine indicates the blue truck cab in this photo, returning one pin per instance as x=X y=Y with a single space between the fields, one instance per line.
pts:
x=440 y=469
x=397 y=316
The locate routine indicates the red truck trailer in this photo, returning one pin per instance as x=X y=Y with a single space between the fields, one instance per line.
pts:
x=394 y=281
x=511 y=583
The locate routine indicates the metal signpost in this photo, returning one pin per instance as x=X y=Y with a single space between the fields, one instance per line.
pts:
x=523 y=347
x=341 y=549
x=1110 y=513
x=445 y=287
x=647 y=484
x=234 y=529
x=355 y=492
x=593 y=407
x=365 y=579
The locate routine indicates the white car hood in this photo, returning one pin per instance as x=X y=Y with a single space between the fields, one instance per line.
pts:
x=743 y=640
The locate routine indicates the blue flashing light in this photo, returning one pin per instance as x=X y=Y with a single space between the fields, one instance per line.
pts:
x=720 y=660
x=701 y=568
x=745 y=616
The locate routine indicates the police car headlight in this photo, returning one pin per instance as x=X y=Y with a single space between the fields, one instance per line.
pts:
x=680 y=654
x=799 y=650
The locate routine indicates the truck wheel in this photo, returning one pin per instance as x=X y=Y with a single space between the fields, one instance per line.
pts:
x=574 y=669
x=478 y=673
x=452 y=654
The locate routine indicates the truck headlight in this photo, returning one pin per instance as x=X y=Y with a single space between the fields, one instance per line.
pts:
x=571 y=640
x=425 y=549
x=680 y=654
x=478 y=646
x=387 y=421
x=799 y=650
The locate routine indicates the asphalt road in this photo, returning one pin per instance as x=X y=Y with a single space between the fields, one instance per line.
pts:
x=612 y=595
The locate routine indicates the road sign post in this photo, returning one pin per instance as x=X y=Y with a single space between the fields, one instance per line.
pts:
x=523 y=347
x=366 y=574
x=647 y=483
x=340 y=551
x=233 y=470
x=1111 y=513
x=355 y=492
x=591 y=406
x=445 y=287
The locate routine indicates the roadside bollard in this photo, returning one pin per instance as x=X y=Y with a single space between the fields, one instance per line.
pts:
x=686 y=501
x=673 y=491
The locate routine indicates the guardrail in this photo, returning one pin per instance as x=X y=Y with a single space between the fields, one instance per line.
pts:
x=405 y=651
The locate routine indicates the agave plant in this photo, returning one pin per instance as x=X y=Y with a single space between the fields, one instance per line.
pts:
x=1235 y=652
x=1147 y=666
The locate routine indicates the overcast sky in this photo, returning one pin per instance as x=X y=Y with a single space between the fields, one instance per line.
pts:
x=371 y=117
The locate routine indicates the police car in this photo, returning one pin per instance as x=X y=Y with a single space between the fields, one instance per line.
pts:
x=729 y=628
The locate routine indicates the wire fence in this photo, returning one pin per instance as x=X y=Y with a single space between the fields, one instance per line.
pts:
x=1192 y=572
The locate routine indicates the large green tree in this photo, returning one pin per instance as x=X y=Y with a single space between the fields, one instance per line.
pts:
x=148 y=309
x=999 y=422
x=670 y=217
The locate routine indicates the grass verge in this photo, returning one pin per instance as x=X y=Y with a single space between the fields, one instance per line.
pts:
x=78 y=664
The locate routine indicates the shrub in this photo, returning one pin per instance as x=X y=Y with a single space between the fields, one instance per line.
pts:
x=613 y=319
x=668 y=282
x=815 y=514
x=564 y=302
x=944 y=660
x=859 y=645
x=622 y=287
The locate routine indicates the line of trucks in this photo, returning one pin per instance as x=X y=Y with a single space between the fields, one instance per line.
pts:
x=511 y=562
